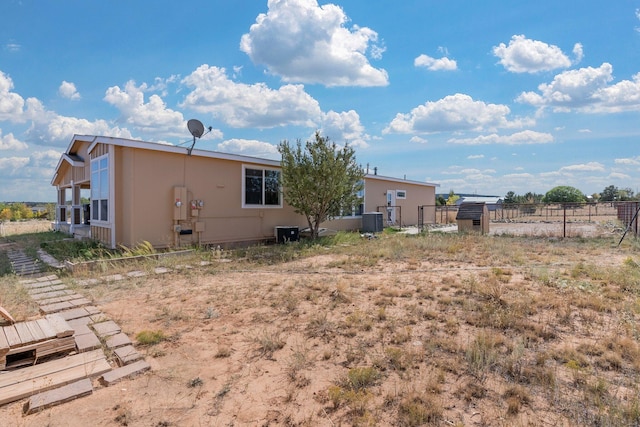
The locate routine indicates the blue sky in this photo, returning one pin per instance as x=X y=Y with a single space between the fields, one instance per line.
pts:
x=479 y=97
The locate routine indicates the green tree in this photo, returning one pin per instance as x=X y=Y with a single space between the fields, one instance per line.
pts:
x=609 y=194
x=452 y=199
x=320 y=180
x=509 y=198
x=564 y=194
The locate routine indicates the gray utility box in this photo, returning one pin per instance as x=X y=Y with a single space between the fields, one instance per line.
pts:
x=285 y=234
x=372 y=222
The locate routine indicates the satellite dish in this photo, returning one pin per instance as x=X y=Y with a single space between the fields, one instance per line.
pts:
x=195 y=127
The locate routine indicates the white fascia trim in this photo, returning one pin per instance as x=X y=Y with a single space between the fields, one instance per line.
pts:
x=406 y=181
x=154 y=146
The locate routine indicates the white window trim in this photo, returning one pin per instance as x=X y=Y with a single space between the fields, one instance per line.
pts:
x=244 y=181
x=110 y=197
x=401 y=197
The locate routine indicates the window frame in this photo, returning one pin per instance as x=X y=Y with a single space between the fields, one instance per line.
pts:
x=264 y=193
x=100 y=190
x=403 y=196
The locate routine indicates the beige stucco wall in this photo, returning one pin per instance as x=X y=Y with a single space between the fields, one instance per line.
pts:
x=145 y=182
x=417 y=195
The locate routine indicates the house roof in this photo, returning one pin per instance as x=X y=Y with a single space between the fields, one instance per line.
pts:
x=70 y=155
x=493 y=200
x=470 y=211
x=400 y=181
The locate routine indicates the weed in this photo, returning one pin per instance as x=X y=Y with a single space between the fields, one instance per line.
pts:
x=223 y=352
x=516 y=396
x=320 y=326
x=482 y=354
x=150 y=337
x=419 y=409
x=268 y=343
x=361 y=377
x=195 y=382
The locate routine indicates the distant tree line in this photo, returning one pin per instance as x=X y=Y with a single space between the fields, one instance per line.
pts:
x=17 y=211
x=559 y=194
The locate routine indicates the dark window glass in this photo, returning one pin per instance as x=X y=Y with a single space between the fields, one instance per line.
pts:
x=272 y=188
x=253 y=187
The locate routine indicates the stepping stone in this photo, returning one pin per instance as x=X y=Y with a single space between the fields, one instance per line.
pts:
x=87 y=342
x=67 y=393
x=76 y=313
x=53 y=300
x=126 y=371
x=105 y=329
x=64 y=305
x=52 y=294
x=161 y=270
x=118 y=340
x=136 y=273
x=127 y=355
x=44 y=289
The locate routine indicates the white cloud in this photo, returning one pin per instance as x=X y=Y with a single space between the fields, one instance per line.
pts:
x=578 y=53
x=250 y=147
x=518 y=138
x=457 y=112
x=152 y=117
x=10 y=142
x=631 y=161
x=344 y=127
x=242 y=106
x=418 y=139
x=531 y=56
x=304 y=42
x=68 y=90
x=12 y=165
x=475 y=156
x=587 y=90
x=618 y=175
x=11 y=104
x=433 y=64
x=12 y=47
x=584 y=167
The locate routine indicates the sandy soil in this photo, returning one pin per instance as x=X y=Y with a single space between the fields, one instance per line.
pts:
x=260 y=345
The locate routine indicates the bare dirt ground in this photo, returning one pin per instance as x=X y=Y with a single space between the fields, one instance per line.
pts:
x=401 y=330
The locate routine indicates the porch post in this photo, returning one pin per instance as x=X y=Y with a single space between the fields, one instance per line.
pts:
x=61 y=212
x=76 y=213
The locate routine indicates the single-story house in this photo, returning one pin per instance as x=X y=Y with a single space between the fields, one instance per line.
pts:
x=159 y=193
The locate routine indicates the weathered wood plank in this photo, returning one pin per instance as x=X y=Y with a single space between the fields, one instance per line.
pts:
x=12 y=336
x=107 y=328
x=46 y=328
x=127 y=355
x=24 y=333
x=126 y=371
x=9 y=379
x=6 y=316
x=60 y=325
x=52 y=294
x=55 y=345
x=4 y=345
x=117 y=340
x=47 y=382
x=35 y=330
x=87 y=342
x=58 y=396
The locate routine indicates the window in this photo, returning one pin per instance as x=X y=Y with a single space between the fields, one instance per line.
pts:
x=401 y=194
x=358 y=209
x=261 y=187
x=100 y=189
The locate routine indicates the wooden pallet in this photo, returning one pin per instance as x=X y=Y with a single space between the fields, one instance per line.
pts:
x=23 y=343
x=21 y=383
